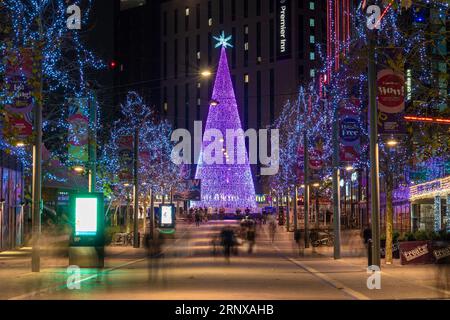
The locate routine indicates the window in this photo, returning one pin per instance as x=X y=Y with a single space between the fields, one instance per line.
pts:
x=258 y=99
x=312 y=39
x=166 y=107
x=175 y=58
x=210 y=20
x=233 y=10
x=165 y=60
x=272 y=40
x=186 y=56
x=301 y=40
x=246 y=46
x=258 y=42
x=175 y=104
x=312 y=22
x=186 y=19
x=175 y=21
x=197 y=13
x=186 y=106
x=245 y=8
x=233 y=52
x=312 y=56
x=301 y=72
x=312 y=5
x=272 y=95
x=210 y=49
x=220 y=11
x=246 y=95
x=312 y=73
x=198 y=51
x=198 y=101
x=165 y=23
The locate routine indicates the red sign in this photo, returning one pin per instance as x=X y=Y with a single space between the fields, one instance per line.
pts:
x=416 y=252
x=23 y=127
x=349 y=130
x=126 y=157
x=391 y=91
x=315 y=159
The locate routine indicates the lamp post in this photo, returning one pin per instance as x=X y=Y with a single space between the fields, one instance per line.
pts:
x=136 y=188
x=374 y=158
x=295 y=208
x=336 y=189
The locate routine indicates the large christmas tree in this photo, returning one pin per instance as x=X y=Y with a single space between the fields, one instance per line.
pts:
x=228 y=185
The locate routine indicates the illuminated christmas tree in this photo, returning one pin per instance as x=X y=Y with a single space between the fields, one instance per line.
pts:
x=226 y=183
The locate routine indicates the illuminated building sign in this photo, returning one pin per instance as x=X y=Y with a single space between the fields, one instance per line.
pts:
x=283 y=29
x=439 y=187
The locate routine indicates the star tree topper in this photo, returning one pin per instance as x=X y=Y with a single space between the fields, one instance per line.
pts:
x=223 y=41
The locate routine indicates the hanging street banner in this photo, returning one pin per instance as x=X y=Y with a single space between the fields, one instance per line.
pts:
x=78 y=138
x=18 y=84
x=190 y=190
x=125 y=147
x=349 y=130
x=391 y=93
x=18 y=80
x=283 y=29
x=300 y=164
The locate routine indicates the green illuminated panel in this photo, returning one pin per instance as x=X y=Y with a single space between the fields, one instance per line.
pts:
x=166 y=215
x=85 y=216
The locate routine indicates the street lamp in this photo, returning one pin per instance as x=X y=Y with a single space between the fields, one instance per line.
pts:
x=20 y=144
x=206 y=73
x=391 y=142
x=213 y=103
x=78 y=169
x=349 y=168
x=316 y=184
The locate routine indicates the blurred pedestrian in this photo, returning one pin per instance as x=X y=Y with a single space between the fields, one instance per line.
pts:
x=272 y=229
x=298 y=239
x=228 y=241
x=251 y=237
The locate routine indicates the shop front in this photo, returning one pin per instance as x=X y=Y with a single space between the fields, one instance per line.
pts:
x=11 y=202
x=430 y=205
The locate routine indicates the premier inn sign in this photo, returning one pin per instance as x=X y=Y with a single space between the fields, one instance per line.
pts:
x=284 y=29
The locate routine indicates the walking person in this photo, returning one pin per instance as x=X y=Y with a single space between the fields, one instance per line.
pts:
x=251 y=237
x=272 y=229
x=298 y=239
x=227 y=238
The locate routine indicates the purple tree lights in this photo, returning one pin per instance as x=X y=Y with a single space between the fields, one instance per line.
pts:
x=225 y=182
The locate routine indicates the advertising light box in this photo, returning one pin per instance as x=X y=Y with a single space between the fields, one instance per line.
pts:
x=166 y=216
x=85 y=216
x=87 y=219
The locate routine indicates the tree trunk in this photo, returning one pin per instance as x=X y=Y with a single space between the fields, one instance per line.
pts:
x=389 y=222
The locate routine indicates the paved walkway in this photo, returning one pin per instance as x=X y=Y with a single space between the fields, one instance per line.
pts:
x=190 y=270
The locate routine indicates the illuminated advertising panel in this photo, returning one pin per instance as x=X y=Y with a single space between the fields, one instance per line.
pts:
x=87 y=219
x=85 y=216
x=166 y=216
